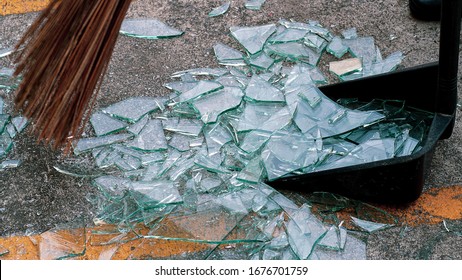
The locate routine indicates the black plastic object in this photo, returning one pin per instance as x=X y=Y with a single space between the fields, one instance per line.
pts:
x=431 y=87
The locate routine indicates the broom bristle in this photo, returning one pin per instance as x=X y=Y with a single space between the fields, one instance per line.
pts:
x=64 y=55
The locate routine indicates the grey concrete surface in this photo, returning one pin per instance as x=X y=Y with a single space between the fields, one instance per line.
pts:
x=34 y=196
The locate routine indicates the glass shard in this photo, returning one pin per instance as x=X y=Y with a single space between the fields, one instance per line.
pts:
x=148 y=29
x=87 y=144
x=133 y=109
x=260 y=90
x=104 y=124
x=295 y=51
x=202 y=88
x=253 y=38
x=155 y=193
x=362 y=47
x=214 y=72
x=254 y=4
x=184 y=126
x=215 y=137
x=214 y=104
x=6 y=144
x=218 y=11
x=9 y=164
x=288 y=35
x=227 y=55
x=19 y=123
x=261 y=61
x=350 y=33
x=6 y=52
x=337 y=48
x=62 y=244
x=151 y=138
x=369 y=226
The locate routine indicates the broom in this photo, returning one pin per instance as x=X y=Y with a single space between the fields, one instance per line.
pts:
x=61 y=59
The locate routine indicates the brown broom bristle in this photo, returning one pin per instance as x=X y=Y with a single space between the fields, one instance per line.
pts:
x=62 y=58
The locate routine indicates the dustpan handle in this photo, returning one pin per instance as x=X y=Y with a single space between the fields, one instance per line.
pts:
x=449 y=56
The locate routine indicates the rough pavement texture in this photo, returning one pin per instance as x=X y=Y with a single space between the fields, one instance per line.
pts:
x=34 y=197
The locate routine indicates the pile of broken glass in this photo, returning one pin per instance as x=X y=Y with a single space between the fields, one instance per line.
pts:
x=200 y=159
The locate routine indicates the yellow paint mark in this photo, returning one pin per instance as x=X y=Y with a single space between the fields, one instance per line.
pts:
x=9 y=7
x=432 y=207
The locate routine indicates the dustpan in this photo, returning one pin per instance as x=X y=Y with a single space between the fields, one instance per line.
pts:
x=431 y=87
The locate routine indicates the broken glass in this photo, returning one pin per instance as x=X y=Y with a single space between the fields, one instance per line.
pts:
x=336 y=47
x=9 y=164
x=254 y=4
x=180 y=142
x=214 y=72
x=214 y=104
x=362 y=47
x=350 y=33
x=295 y=51
x=261 y=61
x=227 y=55
x=59 y=244
x=87 y=144
x=260 y=90
x=190 y=127
x=155 y=193
x=288 y=35
x=253 y=38
x=19 y=123
x=133 y=109
x=6 y=52
x=104 y=124
x=202 y=88
x=218 y=11
x=215 y=137
x=369 y=226
x=312 y=27
x=2 y=104
x=148 y=29
x=151 y=138
x=6 y=144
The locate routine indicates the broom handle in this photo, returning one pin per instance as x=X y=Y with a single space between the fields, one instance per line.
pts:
x=449 y=56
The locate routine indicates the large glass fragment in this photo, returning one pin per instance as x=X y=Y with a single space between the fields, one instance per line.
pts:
x=133 y=109
x=103 y=124
x=58 y=244
x=312 y=27
x=148 y=29
x=295 y=51
x=202 y=88
x=184 y=126
x=87 y=144
x=260 y=90
x=218 y=11
x=253 y=38
x=337 y=48
x=151 y=138
x=19 y=123
x=227 y=55
x=362 y=47
x=288 y=35
x=287 y=152
x=215 y=137
x=6 y=52
x=261 y=61
x=214 y=104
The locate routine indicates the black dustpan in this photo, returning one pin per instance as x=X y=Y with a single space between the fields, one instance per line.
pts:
x=431 y=87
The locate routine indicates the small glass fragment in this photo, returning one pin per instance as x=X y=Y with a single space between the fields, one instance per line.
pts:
x=9 y=164
x=6 y=52
x=155 y=193
x=2 y=104
x=104 y=124
x=288 y=35
x=295 y=51
x=148 y=29
x=253 y=38
x=214 y=104
x=214 y=72
x=261 y=61
x=218 y=11
x=133 y=109
x=19 y=123
x=184 y=126
x=260 y=90
x=151 y=138
x=62 y=244
x=346 y=66
x=4 y=120
x=6 y=144
x=350 y=33
x=337 y=48
x=362 y=47
x=369 y=226
x=254 y=4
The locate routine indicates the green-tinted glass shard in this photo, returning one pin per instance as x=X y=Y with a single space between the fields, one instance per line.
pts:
x=11 y=163
x=180 y=142
x=155 y=193
x=304 y=231
x=151 y=171
x=210 y=164
x=336 y=47
x=151 y=138
x=104 y=124
x=181 y=168
x=387 y=65
x=19 y=123
x=133 y=109
x=313 y=28
x=408 y=147
x=214 y=104
x=254 y=140
x=350 y=33
x=172 y=158
x=11 y=130
x=229 y=81
x=224 y=53
x=180 y=86
x=202 y=88
x=369 y=226
x=190 y=127
x=295 y=51
x=285 y=153
x=215 y=137
x=139 y=125
x=128 y=163
x=258 y=115
x=112 y=187
x=148 y=29
x=261 y=61
x=316 y=42
x=2 y=104
x=332 y=239
x=252 y=172
x=299 y=76
x=6 y=72
x=210 y=183
x=253 y=38
x=362 y=47
x=87 y=144
x=220 y=10
x=288 y=35
x=254 y=4
x=4 y=120
x=214 y=72
x=261 y=91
